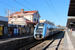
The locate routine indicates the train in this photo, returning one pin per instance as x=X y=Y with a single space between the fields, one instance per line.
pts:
x=43 y=30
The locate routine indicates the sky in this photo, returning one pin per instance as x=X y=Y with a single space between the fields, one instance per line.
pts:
x=52 y=10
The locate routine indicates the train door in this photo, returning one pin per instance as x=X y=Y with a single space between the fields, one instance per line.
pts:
x=51 y=30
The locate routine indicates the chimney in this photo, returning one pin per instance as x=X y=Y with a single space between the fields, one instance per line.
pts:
x=22 y=10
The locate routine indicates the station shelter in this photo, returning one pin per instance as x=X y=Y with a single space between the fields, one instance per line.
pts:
x=3 y=26
x=71 y=14
x=16 y=30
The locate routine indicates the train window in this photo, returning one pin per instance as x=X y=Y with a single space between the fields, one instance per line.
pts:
x=40 y=26
x=34 y=19
x=51 y=28
x=37 y=20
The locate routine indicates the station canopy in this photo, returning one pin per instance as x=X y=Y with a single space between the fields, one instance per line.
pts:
x=71 y=22
x=71 y=11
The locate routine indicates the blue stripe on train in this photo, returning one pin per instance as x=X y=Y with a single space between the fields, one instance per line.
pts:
x=44 y=30
x=35 y=30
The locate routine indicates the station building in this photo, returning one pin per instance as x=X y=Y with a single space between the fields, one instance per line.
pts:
x=45 y=21
x=27 y=20
x=3 y=26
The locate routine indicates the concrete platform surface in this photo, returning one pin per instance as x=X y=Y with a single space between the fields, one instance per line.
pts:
x=69 y=41
x=14 y=38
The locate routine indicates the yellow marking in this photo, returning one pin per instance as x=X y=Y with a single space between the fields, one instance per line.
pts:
x=1 y=28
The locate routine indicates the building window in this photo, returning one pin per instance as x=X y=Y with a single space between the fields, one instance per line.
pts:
x=18 y=16
x=34 y=19
x=36 y=13
x=37 y=20
x=10 y=17
x=5 y=30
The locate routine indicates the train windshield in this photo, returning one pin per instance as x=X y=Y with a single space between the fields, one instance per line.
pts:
x=40 y=27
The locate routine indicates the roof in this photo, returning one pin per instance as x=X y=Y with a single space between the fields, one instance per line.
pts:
x=3 y=18
x=22 y=18
x=71 y=11
x=31 y=22
x=69 y=21
x=26 y=12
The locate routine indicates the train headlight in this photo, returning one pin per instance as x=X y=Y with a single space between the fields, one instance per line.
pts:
x=38 y=36
x=42 y=36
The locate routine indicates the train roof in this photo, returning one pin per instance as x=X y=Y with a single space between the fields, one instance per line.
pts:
x=50 y=25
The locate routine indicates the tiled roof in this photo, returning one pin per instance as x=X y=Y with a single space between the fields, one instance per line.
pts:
x=31 y=22
x=26 y=12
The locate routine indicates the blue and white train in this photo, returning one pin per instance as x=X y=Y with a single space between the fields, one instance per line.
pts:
x=43 y=30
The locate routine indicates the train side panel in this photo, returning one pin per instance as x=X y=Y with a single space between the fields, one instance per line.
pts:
x=45 y=30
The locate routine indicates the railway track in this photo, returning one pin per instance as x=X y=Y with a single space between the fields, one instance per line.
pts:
x=45 y=44
x=55 y=43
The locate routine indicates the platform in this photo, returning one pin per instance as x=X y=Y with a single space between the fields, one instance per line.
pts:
x=14 y=38
x=15 y=42
x=69 y=41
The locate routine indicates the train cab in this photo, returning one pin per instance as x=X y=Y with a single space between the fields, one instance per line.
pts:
x=43 y=30
x=38 y=33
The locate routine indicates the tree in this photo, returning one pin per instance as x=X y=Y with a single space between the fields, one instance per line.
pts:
x=59 y=26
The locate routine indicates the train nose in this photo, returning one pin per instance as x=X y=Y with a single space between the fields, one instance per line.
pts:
x=38 y=35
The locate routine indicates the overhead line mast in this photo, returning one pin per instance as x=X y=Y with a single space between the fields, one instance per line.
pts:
x=7 y=11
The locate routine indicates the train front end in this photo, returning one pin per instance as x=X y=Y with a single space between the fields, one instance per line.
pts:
x=38 y=32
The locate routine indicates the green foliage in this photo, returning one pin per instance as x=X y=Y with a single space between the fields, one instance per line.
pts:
x=59 y=26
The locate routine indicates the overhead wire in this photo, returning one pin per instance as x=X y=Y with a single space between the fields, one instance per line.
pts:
x=49 y=6
x=30 y=4
x=16 y=2
x=7 y=9
x=33 y=6
x=53 y=10
x=22 y=5
x=6 y=4
x=52 y=6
